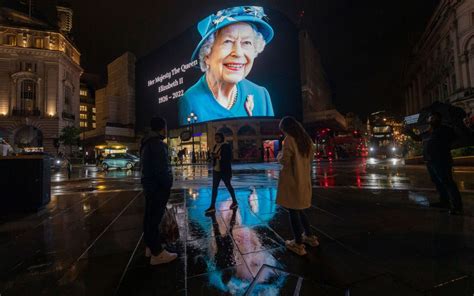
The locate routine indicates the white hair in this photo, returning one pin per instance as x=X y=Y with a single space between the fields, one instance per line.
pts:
x=206 y=47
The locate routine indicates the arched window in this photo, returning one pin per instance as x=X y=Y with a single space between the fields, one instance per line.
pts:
x=226 y=131
x=67 y=99
x=28 y=95
x=246 y=130
x=28 y=136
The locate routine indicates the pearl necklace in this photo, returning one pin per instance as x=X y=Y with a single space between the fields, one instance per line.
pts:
x=233 y=98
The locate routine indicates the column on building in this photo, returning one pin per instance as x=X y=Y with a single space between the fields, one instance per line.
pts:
x=457 y=55
x=407 y=109
x=464 y=60
x=235 y=141
x=421 y=102
x=412 y=99
x=470 y=64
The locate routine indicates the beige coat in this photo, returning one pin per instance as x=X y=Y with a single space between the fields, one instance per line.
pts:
x=294 y=184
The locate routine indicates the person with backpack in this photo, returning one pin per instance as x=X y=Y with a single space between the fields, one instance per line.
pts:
x=294 y=183
x=221 y=161
x=157 y=180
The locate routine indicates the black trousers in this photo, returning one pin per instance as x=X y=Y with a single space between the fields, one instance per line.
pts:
x=216 y=180
x=155 y=206
x=299 y=222
x=442 y=176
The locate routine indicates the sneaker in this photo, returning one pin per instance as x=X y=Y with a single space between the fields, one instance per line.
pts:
x=297 y=248
x=163 y=257
x=311 y=240
x=147 y=252
x=210 y=211
x=234 y=205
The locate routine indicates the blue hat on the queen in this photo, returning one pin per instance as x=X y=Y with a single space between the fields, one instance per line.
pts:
x=247 y=14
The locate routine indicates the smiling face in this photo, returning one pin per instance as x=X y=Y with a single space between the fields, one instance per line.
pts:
x=232 y=54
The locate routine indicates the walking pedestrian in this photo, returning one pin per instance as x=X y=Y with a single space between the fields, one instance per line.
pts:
x=294 y=183
x=221 y=161
x=437 y=141
x=157 y=180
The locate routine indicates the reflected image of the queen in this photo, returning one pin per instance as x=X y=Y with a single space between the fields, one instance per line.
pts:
x=231 y=40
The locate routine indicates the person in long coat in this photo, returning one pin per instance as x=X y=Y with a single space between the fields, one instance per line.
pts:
x=294 y=183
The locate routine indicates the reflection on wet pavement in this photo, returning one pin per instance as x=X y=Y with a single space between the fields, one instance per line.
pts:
x=377 y=234
x=362 y=174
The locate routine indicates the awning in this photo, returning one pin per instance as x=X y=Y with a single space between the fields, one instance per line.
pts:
x=111 y=145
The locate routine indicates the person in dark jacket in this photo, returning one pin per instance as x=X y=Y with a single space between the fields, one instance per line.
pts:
x=221 y=161
x=437 y=143
x=157 y=180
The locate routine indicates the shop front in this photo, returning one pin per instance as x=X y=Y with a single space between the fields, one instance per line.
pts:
x=249 y=139
x=182 y=142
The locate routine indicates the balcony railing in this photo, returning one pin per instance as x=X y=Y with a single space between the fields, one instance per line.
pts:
x=24 y=112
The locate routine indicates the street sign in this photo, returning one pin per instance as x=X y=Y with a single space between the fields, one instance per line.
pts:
x=412 y=119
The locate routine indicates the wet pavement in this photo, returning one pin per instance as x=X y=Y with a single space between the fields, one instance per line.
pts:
x=378 y=236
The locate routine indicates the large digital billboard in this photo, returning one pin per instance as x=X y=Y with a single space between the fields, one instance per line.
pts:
x=238 y=62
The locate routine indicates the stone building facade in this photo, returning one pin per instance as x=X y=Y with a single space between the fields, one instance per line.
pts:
x=442 y=63
x=39 y=79
x=89 y=84
x=318 y=109
x=115 y=109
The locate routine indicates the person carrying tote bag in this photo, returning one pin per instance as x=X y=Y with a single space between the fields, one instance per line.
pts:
x=294 y=183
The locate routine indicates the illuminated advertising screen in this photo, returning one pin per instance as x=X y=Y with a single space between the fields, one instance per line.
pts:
x=238 y=62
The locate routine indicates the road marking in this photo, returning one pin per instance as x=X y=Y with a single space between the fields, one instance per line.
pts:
x=127 y=266
x=108 y=226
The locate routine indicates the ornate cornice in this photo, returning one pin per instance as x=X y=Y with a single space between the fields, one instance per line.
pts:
x=30 y=51
x=25 y=75
x=38 y=52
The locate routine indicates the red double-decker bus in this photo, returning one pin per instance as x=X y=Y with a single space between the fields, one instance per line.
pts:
x=339 y=145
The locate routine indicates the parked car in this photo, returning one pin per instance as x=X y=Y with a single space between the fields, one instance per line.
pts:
x=120 y=160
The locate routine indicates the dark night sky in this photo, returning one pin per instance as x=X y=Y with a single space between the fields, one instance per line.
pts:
x=363 y=44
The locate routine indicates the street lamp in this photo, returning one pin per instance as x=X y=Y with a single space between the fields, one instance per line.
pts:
x=192 y=119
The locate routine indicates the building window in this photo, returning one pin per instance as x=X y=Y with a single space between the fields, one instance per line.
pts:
x=445 y=90
x=28 y=95
x=29 y=67
x=93 y=117
x=83 y=108
x=67 y=99
x=83 y=124
x=93 y=109
x=83 y=92
x=93 y=125
x=39 y=43
x=11 y=40
x=83 y=116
